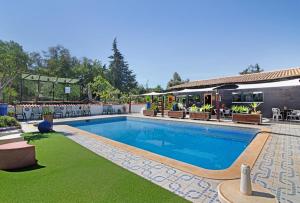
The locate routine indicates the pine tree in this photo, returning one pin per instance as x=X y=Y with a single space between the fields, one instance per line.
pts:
x=119 y=74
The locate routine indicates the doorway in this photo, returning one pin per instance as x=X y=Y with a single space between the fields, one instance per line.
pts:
x=208 y=99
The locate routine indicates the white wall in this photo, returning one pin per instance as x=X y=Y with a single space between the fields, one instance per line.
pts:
x=137 y=108
x=96 y=109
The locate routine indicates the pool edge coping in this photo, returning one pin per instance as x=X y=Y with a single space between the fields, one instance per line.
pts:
x=248 y=156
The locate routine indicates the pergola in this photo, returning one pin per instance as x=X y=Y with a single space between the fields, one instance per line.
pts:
x=42 y=78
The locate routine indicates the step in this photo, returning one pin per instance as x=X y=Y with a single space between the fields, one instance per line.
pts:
x=11 y=138
x=9 y=132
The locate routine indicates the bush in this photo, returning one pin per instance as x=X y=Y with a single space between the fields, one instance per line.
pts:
x=7 y=121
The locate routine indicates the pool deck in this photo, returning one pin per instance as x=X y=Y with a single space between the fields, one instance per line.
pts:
x=277 y=167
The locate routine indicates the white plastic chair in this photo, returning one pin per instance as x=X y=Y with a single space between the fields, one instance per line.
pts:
x=295 y=115
x=276 y=114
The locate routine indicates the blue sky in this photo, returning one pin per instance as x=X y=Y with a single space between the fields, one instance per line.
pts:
x=199 y=39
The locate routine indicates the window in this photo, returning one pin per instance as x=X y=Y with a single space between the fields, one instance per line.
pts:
x=247 y=97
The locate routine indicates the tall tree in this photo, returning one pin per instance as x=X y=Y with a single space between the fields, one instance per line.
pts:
x=119 y=74
x=252 y=69
x=13 y=61
x=176 y=80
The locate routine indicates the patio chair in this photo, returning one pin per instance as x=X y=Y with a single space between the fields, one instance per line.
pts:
x=35 y=113
x=86 y=110
x=295 y=115
x=227 y=113
x=276 y=114
x=20 y=114
x=78 y=111
x=109 y=110
x=58 y=112
x=69 y=111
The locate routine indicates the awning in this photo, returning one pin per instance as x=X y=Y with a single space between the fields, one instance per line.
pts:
x=187 y=91
x=285 y=83
x=153 y=94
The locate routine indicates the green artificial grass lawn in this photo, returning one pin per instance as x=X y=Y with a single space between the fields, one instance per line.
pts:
x=67 y=172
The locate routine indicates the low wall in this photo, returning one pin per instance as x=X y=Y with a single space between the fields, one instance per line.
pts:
x=96 y=109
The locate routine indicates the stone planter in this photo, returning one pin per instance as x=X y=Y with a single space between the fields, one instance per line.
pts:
x=200 y=116
x=247 y=118
x=176 y=114
x=149 y=113
x=48 y=118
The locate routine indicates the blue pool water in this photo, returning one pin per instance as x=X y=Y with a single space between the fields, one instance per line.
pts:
x=207 y=146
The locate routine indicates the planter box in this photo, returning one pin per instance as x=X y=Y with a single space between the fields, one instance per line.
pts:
x=176 y=114
x=247 y=118
x=48 y=118
x=149 y=113
x=200 y=116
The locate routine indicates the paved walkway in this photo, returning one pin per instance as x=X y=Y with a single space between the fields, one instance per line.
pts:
x=277 y=168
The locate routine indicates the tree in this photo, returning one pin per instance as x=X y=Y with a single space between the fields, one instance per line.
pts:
x=103 y=89
x=119 y=74
x=176 y=80
x=252 y=69
x=13 y=61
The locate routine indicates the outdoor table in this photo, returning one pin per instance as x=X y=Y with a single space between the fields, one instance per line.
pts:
x=285 y=113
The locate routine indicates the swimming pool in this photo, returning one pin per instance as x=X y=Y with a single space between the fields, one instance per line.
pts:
x=211 y=147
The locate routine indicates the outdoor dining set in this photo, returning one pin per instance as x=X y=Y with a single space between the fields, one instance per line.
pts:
x=286 y=114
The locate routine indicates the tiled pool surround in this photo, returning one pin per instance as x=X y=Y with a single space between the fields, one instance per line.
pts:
x=248 y=156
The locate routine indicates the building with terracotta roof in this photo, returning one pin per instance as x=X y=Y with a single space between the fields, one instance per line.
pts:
x=273 y=89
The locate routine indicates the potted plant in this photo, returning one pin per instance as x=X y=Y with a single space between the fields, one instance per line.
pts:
x=152 y=111
x=254 y=107
x=148 y=104
x=48 y=115
x=241 y=114
x=168 y=108
x=177 y=111
x=203 y=113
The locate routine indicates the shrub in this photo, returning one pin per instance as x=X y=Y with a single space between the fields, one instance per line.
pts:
x=7 y=121
x=194 y=108
x=154 y=107
x=254 y=107
x=240 y=109
x=206 y=107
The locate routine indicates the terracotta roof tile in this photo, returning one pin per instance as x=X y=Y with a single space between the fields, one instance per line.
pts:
x=248 y=78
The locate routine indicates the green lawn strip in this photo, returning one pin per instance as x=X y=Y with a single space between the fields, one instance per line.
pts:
x=68 y=172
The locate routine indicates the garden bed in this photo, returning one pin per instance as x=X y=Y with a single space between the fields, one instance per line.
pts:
x=247 y=118
x=176 y=114
x=200 y=116
x=149 y=113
